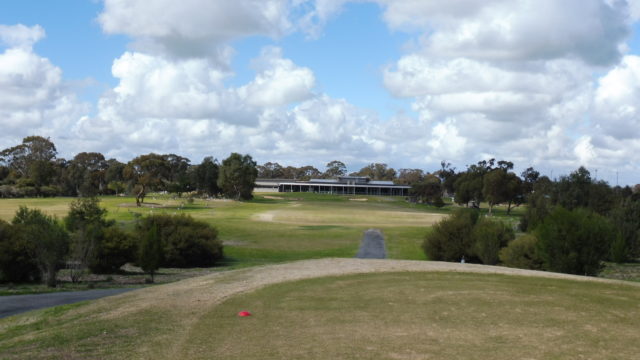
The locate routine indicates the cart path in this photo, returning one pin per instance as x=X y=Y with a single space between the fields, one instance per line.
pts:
x=372 y=246
x=16 y=304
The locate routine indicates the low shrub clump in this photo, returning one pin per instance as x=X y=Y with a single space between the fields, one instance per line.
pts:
x=185 y=242
x=464 y=235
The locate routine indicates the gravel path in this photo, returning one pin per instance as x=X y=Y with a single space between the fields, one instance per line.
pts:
x=372 y=246
x=16 y=304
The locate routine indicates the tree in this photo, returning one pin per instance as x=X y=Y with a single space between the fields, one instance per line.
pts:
x=150 y=254
x=539 y=204
x=429 y=190
x=149 y=171
x=87 y=172
x=237 y=176
x=16 y=256
x=626 y=219
x=489 y=236
x=529 y=177
x=33 y=149
x=494 y=188
x=450 y=239
x=270 y=171
x=86 y=221
x=185 y=242
x=206 y=176
x=49 y=240
x=574 y=241
x=448 y=176
x=335 y=169
x=178 y=180
x=409 y=176
x=376 y=171
x=522 y=253
x=573 y=191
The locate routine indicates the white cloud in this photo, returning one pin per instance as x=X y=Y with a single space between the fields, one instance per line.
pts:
x=20 y=36
x=33 y=96
x=498 y=30
x=617 y=100
x=193 y=28
x=278 y=82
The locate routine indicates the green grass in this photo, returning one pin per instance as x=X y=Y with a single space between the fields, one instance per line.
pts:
x=424 y=315
x=278 y=227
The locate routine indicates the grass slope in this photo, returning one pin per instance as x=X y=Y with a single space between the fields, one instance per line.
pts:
x=344 y=308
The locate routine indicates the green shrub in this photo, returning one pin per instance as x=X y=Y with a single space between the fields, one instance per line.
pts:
x=114 y=249
x=150 y=251
x=450 y=239
x=48 y=237
x=488 y=237
x=186 y=242
x=16 y=257
x=522 y=253
x=574 y=242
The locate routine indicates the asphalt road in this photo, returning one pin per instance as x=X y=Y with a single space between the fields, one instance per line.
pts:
x=16 y=304
x=372 y=246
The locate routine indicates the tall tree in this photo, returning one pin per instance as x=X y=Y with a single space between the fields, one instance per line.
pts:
x=206 y=176
x=86 y=221
x=335 y=169
x=34 y=149
x=237 y=176
x=149 y=171
x=409 y=176
x=377 y=171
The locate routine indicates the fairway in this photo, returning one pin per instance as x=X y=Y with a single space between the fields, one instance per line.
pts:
x=277 y=227
x=344 y=308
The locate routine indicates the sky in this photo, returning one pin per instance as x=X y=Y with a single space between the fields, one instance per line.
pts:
x=543 y=83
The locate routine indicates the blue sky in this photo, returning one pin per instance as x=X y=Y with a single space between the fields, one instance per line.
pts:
x=546 y=83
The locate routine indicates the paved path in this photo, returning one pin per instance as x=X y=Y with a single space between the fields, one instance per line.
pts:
x=16 y=304
x=372 y=246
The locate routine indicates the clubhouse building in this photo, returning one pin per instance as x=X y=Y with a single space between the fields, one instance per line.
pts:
x=344 y=185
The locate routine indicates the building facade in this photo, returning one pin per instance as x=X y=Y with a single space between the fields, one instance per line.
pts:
x=344 y=185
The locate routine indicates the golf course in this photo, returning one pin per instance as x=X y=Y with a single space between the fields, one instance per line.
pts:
x=289 y=262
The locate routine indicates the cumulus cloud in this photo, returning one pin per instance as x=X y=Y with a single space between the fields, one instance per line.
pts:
x=516 y=30
x=511 y=79
x=33 y=96
x=20 y=36
x=193 y=28
x=278 y=82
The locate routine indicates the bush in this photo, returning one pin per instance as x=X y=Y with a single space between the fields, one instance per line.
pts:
x=16 y=257
x=47 y=236
x=574 y=242
x=185 y=241
x=114 y=249
x=488 y=237
x=522 y=253
x=450 y=239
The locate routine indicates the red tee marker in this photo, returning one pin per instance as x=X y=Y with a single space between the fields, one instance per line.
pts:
x=244 y=313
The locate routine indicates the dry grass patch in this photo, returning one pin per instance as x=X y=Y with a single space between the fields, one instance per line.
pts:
x=423 y=316
x=407 y=309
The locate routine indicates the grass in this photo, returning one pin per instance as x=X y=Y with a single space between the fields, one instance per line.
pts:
x=414 y=315
x=405 y=315
x=278 y=227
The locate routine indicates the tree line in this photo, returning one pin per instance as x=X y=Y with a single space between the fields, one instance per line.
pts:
x=32 y=169
x=35 y=246
x=570 y=225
